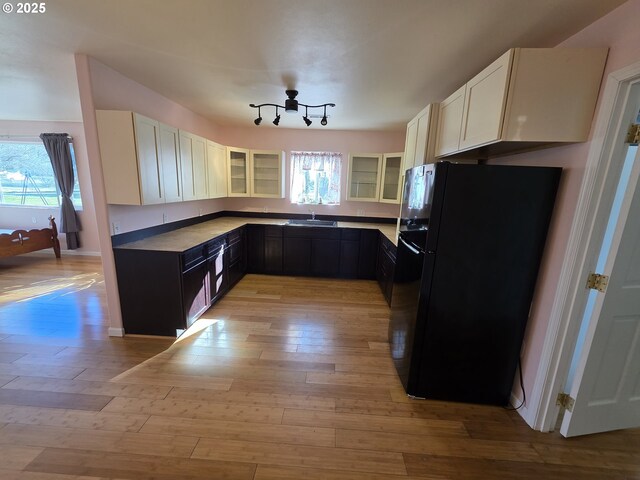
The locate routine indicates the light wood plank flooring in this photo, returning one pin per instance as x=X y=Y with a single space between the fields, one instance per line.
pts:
x=286 y=378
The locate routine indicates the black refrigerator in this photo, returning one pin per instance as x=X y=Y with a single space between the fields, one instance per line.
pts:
x=469 y=248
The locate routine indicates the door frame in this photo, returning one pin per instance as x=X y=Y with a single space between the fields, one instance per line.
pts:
x=602 y=170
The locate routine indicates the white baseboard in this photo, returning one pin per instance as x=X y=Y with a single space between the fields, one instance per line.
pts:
x=79 y=252
x=523 y=411
x=116 y=332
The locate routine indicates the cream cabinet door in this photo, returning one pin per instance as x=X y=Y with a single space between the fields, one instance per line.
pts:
x=391 y=174
x=199 y=158
x=450 y=123
x=363 y=177
x=216 y=170
x=169 y=147
x=410 y=144
x=193 y=156
x=267 y=174
x=237 y=172
x=422 y=138
x=484 y=104
x=149 y=164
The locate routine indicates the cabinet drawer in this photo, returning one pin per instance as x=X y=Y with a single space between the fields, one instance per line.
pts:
x=350 y=234
x=388 y=247
x=273 y=231
x=194 y=256
x=213 y=247
x=235 y=252
x=235 y=236
x=312 y=232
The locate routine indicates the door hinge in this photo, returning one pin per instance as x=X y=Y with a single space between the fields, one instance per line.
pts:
x=633 y=135
x=597 y=282
x=565 y=401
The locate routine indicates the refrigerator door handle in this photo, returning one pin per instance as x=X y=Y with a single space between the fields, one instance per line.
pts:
x=411 y=248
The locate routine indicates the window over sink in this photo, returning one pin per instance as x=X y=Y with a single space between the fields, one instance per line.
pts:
x=315 y=178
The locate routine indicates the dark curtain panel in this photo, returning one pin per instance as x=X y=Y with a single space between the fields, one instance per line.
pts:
x=57 y=146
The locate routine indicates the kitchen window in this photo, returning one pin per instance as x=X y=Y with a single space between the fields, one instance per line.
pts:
x=315 y=178
x=26 y=176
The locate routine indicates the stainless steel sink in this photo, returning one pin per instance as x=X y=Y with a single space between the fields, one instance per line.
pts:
x=308 y=222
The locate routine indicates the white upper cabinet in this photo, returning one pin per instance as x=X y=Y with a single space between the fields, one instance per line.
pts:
x=216 y=170
x=392 y=170
x=237 y=172
x=484 y=101
x=363 y=177
x=420 y=139
x=131 y=164
x=169 y=148
x=267 y=174
x=527 y=98
x=449 y=123
x=193 y=155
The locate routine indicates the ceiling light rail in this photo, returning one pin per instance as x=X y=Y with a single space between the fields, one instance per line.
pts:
x=291 y=106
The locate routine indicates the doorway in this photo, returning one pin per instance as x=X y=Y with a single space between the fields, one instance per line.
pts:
x=610 y=179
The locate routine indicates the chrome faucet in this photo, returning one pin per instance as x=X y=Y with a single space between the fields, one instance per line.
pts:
x=313 y=215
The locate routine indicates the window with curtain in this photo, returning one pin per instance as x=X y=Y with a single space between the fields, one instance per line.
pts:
x=315 y=178
x=26 y=176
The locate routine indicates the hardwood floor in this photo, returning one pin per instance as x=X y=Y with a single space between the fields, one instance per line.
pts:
x=286 y=378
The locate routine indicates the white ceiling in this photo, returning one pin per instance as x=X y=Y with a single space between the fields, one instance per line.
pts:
x=380 y=61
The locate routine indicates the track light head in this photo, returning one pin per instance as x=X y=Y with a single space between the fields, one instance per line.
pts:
x=257 y=120
x=323 y=122
x=307 y=121
x=276 y=120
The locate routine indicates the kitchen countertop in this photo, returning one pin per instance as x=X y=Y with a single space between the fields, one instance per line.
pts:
x=185 y=238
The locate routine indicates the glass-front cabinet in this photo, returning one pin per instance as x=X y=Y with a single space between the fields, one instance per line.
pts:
x=238 y=172
x=255 y=173
x=390 y=185
x=267 y=174
x=363 y=180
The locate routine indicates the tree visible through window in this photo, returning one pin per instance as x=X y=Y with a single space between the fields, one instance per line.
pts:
x=315 y=177
x=26 y=176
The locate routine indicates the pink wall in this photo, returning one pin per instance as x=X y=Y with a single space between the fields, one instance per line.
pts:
x=619 y=31
x=22 y=217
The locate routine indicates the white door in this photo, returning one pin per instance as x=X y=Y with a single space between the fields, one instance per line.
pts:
x=606 y=383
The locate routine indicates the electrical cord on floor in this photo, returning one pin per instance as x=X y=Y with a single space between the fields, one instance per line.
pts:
x=524 y=394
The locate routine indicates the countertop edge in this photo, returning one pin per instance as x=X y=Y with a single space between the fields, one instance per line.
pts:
x=203 y=232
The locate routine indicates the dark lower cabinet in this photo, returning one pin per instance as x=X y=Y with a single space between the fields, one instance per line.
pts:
x=296 y=256
x=161 y=292
x=236 y=256
x=216 y=269
x=349 y=257
x=325 y=256
x=273 y=250
x=196 y=292
x=151 y=289
x=255 y=248
x=368 y=253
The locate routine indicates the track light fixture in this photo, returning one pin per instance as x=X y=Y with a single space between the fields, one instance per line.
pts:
x=291 y=106
x=306 y=118
x=259 y=119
